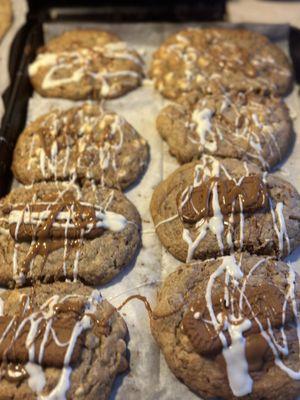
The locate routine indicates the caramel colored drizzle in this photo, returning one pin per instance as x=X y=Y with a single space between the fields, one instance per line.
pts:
x=90 y=137
x=15 y=332
x=50 y=226
x=195 y=203
x=143 y=299
x=76 y=217
x=44 y=248
x=15 y=351
x=45 y=336
x=151 y=314
x=244 y=323
x=266 y=302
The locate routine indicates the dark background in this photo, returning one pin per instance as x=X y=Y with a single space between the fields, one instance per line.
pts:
x=129 y=10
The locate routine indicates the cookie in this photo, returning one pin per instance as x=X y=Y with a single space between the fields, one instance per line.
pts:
x=5 y=16
x=228 y=327
x=53 y=232
x=87 y=142
x=212 y=207
x=241 y=125
x=83 y=64
x=59 y=341
x=214 y=60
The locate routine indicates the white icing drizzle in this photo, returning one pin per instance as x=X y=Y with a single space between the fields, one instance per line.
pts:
x=234 y=354
x=202 y=119
x=60 y=390
x=104 y=219
x=59 y=160
x=76 y=261
x=214 y=50
x=208 y=167
x=214 y=224
x=241 y=223
x=78 y=61
x=225 y=104
x=18 y=277
x=269 y=337
x=37 y=380
x=235 y=323
x=43 y=60
x=49 y=82
x=1 y=307
x=166 y=220
x=209 y=130
x=280 y=227
x=235 y=357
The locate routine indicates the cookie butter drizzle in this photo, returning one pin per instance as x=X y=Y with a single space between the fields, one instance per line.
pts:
x=44 y=317
x=235 y=322
x=204 y=170
x=216 y=224
x=62 y=216
x=79 y=67
x=208 y=125
x=209 y=167
x=78 y=135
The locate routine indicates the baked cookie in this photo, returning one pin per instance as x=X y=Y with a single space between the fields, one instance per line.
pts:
x=213 y=60
x=246 y=126
x=83 y=64
x=228 y=327
x=86 y=142
x=212 y=207
x=5 y=16
x=59 y=341
x=51 y=232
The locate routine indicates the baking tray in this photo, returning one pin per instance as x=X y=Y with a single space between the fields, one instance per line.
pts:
x=150 y=378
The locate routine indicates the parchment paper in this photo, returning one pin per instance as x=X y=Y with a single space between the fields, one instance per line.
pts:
x=150 y=377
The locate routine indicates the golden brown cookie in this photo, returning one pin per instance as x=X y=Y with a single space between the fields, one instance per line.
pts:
x=59 y=341
x=83 y=64
x=212 y=207
x=240 y=125
x=57 y=231
x=214 y=60
x=84 y=142
x=228 y=327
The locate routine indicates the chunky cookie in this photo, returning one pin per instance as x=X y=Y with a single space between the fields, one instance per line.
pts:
x=59 y=341
x=5 y=16
x=84 y=141
x=85 y=64
x=52 y=232
x=228 y=327
x=246 y=126
x=215 y=60
x=214 y=206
